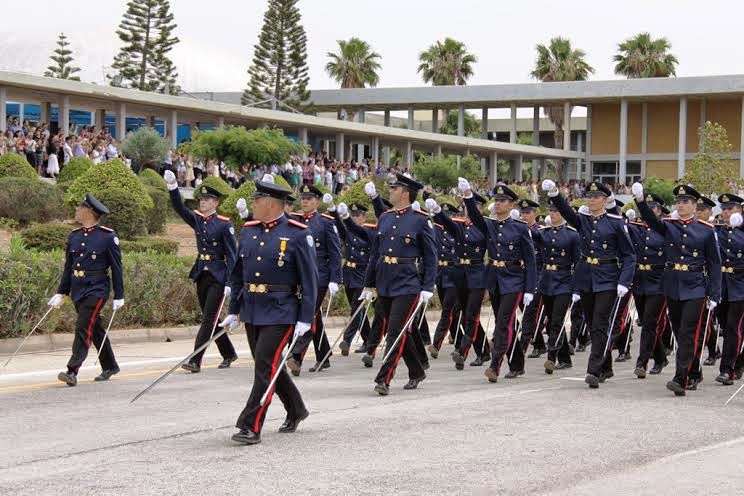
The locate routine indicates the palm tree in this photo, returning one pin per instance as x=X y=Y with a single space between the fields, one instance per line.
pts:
x=559 y=61
x=446 y=63
x=354 y=66
x=643 y=57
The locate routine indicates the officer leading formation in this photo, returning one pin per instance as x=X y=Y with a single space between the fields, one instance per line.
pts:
x=583 y=278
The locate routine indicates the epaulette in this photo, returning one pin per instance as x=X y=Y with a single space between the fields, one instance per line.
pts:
x=388 y=211
x=296 y=213
x=440 y=226
x=584 y=213
x=222 y=217
x=670 y=219
x=367 y=224
x=522 y=221
x=107 y=229
x=571 y=228
x=705 y=223
x=545 y=227
x=329 y=217
x=461 y=221
x=636 y=223
x=78 y=229
x=296 y=224
x=198 y=213
x=421 y=212
x=252 y=223
x=613 y=216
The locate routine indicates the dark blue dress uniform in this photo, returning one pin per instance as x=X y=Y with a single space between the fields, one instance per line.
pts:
x=215 y=243
x=328 y=263
x=608 y=260
x=533 y=311
x=731 y=309
x=449 y=272
x=511 y=272
x=90 y=254
x=692 y=253
x=274 y=284
x=403 y=263
x=559 y=248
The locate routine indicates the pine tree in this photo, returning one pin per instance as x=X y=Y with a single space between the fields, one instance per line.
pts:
x=147 y=32
x=279 y=69
x=62 y=56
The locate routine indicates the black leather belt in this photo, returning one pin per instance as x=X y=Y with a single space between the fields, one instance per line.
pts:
x=269 y=288
x=732 y=270
x=210 y=258
x=600 y=261
x=506 y=263
x=648 y=267
x=399 y=260
x=355 y=265
x=471 y=261
x=86 y=273
x=557 y=268
x=447 y=263
x=685 y=268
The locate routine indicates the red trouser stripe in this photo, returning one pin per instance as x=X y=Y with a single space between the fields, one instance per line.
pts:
x=660 y=323
x=695 y=340
x=274 y=362
x=510 y=325
x=389 y=375
x=738 y=340
x=92 y=321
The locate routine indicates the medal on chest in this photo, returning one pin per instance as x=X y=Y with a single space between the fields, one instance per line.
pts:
x=282 y=249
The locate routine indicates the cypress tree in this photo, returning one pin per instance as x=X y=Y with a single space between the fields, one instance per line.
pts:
x=62 y=57
x=279 y=69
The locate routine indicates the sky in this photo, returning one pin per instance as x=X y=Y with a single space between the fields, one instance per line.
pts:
x=217 y=37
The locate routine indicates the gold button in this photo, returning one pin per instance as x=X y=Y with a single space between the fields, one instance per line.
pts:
x=258 y=258
x=261 y=243
x=258 y=274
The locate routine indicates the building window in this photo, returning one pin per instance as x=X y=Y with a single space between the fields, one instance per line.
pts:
x=607 y=172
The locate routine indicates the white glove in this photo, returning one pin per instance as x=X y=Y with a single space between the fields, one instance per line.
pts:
x=610 y=203
x=675 y=215
x=332 y=288
x=368 y=294
x=637 y=190
x=463 y=184
x=268 y=178
x=630 y=214
x=416 y=205
x=343 y=210
x=242 y=207
x=327 y=199
x=527 y=299
x=491 y=208
x=232 y=322
x=118 y=304
x=170 y=180
x=56 y=301
x=621 y=290
x=575 y=297
x=425 y=296
x=711 y=305
x=432 y=206
x=583 y=209
x=549 y=186
x=735 y=220
x=370 y=190
x=514 y=214
x=301 y=328
x=227 y=291
x=548 y=221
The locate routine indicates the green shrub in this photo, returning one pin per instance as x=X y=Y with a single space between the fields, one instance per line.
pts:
x=75 y=168
x=227 y=206
x=127 y=217
x=157 y=216
x=217 y=183
x=45 y=237
x=151 y=178
x=661 y=187
x=157 y=245
x=145 y=146
x=356 y=194
x=110 y=175
x=29 y=200
x=15 y=165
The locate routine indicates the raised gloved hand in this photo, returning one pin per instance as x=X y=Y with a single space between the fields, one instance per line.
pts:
x=332 y=288
x=170 y=180
x=268 y=178
x=491 y=208
x=621 y=290
x=425 y=296
x=674 y=214
x=370 y=190
x=416 y=205
x=630 y=214
x=575 y=297
x=56 y=300
x=327 y=199
x=463 y=184
x=242 y=207
x=584 y=209
x=432 y=206
x=343 y=210
x=301 y=328
x=232 y=322
x=117 y=304
x=227 y=291
x=368 y=294
x=514 y=214
x=527 y=299
x=637 y=190
x=610 y=202
x=548 y=221
x=735 y=220
x=549 y=186
x=711 y=305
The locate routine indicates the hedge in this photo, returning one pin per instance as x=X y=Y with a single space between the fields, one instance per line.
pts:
x=73 y=169
x=15 y=165
x=217 y=183
x=151 y=178
x=157 y=216
x=127 y=217
x=45 y=237
x=29 y=200
x=110 y=175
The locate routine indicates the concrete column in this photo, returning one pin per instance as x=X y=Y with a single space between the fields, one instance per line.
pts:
x=588 y=143
x=435 y=120
x=386 y=155
x=438 y=151
x=543 y=167
x=408 y=154
x=579 y=148
x=566 y=126
x=375 y=145
x=64 y=114
x=340 y=148
x=21 y=112
x=623 y=165
x=360 y=153
x=682 y=137
x=410 y=117
x=493 y=160
x=703 y=116
x=121 y=121
x=386 y=119
x=46 y=113
x=518 y=168
x=741 y=143
x=513 y=124
x=535 y=138
x=644 y=137
x=327 y=147
x=361 y=116
x=3 y=110
x=92 y=118
x=101 y=118
x=173 y=129
x=302 y=134
x=484 y=123
x=221 y=123
x=461 y=121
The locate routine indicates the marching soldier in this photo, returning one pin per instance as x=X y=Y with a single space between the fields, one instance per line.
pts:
x=328 y=252
x=401 y=271
x=731 y=310
x=511 y=278
x=604 y=274
x=90 y=252
x=274 y=284
x=704 y=212
x=215 y=242
x=530 y=326
x=692 y=252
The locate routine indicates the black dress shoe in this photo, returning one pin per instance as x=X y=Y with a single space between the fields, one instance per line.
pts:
x=658 y=367
x=477 y=362
x=459 y=366
x=486 y=357
x=294 y=366
x=491 y=374
x=549 y=366
x=711 y=360
x=425 y=365
x=537 y=352
x=622 y=357
x=725 y=379
x=367 y=360
x=513 y=374
x=692 y=384
x=344 y=346
x=317 y=366
x=571 y=350
x=592 y=380
x=226 y=363
x=290 y=423
x=676 y=388
x=458 y=358
x=563 y=365
x=413 y=383
x=361 y=349
x=106 y=374
x=382 y=389
x=738 y=373
x=718 y=353
x=191 y=367
x=451 y=340
x=606 y=375
x=433 y=351
x=640 y=372
x=580 y=348
x=69 y=378
x=246 y=436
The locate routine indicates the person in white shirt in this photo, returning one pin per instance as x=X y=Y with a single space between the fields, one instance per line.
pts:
x=67 y=149
x=111 y=150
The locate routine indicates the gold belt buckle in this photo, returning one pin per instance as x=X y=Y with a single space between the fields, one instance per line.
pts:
x=727 y=270
x=464 y=261
x=592 y=261
x=257 y=288
x=681 y=267
x=443 y=263
x=551 y=267
x=391 y=260
x=78 y=273
x=644 y=267
x=351 y=264
x=499 y=263
x=205 y=257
